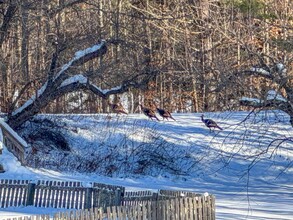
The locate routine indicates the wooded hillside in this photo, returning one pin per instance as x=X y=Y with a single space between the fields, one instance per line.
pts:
x=196 y=52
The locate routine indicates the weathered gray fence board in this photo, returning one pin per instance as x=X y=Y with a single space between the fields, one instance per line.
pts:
x=12 y=192
x=57 y=194
x=165 y=205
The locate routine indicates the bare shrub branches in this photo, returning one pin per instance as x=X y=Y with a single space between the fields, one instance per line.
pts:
x=121 y=149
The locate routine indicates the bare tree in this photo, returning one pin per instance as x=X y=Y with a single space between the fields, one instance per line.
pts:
x=62 y=82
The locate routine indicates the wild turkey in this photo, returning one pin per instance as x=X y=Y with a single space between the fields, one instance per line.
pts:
x=164 y=113
x=210 y=123
x=148 y=112
x=117 y=108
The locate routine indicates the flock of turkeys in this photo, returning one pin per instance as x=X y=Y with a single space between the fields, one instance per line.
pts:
x=150 y=113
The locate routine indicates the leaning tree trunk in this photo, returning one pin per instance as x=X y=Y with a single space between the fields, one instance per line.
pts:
x=53 y=88
x=61 y=83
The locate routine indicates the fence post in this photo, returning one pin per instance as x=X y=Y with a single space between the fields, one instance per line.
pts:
x=155 y=196
x=1 y=168
x=88 y=198
x=31 y=187
x=213 y=207
x=118 y=197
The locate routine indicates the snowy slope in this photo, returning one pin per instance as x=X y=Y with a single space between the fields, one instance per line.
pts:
x=247 y=166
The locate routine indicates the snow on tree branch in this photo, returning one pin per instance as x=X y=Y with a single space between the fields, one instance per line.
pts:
x=278 y=75
x=81 y=82
x=31 y=100
x=272 y=100
x=260 y=71
x=77 y=78
x=51 y=88
x=257 y=103
x=276 y=72
x=80 y=57
x=273 y=95
x=63 y=82
x=83 y=56
x=281 y=69
x=251 y=101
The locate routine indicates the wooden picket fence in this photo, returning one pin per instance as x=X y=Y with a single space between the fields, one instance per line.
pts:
x=103 y=201
x=56 y=194
x=189 y=208
x=136 y=197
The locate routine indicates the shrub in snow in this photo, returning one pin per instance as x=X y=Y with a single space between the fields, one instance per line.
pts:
x=114 y=147
x=45 y=134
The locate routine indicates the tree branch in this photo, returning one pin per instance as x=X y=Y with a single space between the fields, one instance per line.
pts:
x=274 y=103
x=8 y=16
x=81 y=57
x=62 y=83
x=66 y=4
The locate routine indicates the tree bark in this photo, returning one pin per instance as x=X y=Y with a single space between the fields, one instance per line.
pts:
x=8 y=16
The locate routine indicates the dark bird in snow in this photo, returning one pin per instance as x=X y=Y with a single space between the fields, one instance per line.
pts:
x=148 y=112
x=210 y=123
x=117 y=108
x=164 y=114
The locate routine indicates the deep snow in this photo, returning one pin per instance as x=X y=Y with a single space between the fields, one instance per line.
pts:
x=250 y=174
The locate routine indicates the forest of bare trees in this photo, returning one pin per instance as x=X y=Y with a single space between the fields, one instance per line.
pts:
x=186 y=55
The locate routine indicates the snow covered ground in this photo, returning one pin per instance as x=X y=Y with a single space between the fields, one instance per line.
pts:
x=247 y=166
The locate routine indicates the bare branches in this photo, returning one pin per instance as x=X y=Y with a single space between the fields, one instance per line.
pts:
x=8 y=16
x=61 y=83
x=66 y=4
x=81 y=57
x=50 y=89
x=278 y=77
x=25 y=88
